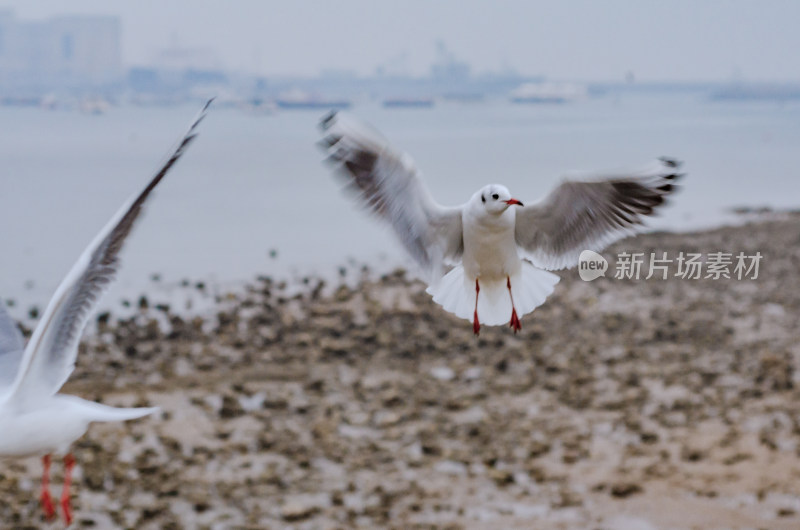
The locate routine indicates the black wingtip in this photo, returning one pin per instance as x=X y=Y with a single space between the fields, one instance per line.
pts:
x=669 y=161
x=326 y=142
x=675 y=176
x=202 y=114
x=327 y=120
x=323 y=144
x=188 y=140
x=336 y=156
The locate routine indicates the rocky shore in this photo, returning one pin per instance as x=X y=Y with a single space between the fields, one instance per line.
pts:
x=622 y=404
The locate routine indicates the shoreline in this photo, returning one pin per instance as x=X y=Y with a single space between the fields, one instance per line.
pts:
x=204 y=292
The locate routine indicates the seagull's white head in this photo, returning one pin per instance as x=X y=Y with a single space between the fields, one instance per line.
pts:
x=495 y=198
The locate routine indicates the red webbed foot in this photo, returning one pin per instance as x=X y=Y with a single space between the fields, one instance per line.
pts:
x=515 y=324
x=47 y=505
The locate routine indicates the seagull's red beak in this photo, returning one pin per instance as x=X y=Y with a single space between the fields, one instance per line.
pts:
x=514 y=201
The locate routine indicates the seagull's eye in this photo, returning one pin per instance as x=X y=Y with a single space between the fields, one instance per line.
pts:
x=495 y=196
x=483 y=199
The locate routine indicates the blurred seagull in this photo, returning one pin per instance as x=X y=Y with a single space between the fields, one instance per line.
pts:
x=498 y=250
x=34 y=419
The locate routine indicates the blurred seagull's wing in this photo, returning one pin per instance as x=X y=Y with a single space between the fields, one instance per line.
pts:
x=389 y=185
x=592 y=213
x=50 y=355
x=12 y=344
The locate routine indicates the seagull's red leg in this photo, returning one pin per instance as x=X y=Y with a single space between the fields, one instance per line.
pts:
x=69 y=463
x=45 y=499
x=476 y=326
x=515 y=324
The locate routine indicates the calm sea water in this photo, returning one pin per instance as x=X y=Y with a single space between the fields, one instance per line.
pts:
x=253 y=184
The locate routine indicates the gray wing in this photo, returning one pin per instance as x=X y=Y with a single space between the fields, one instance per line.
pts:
x=51 y=353
x=12 y=343
x=387 y=183
x=591 y=214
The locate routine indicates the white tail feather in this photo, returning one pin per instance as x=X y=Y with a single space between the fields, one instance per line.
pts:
x=93 y=411
x=120 y=414
x=530 y=288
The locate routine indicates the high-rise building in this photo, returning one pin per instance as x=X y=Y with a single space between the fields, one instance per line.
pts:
x=62 y=52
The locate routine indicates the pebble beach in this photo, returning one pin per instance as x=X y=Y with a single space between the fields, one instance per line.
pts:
x=622 y=404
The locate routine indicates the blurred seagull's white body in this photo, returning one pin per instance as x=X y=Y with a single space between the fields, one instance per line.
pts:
x=55 y=423
x=34 y=418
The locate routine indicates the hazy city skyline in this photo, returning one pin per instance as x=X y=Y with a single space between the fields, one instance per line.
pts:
x=579 y=39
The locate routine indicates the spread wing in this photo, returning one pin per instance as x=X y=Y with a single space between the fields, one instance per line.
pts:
x=592 y=213
x=387 y=183
x=11 y=346
x=51 y=352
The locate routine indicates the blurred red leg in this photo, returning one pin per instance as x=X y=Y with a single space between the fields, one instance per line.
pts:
x=476 y=326
x=44 y=498
x=515 y=324
x=69 y=463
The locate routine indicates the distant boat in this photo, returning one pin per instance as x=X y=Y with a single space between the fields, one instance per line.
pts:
x=393 y=103
x=49 y=102
x=157 y=100
x=21 y=101
x=94 y=105
x=548 y=93
x=464 y=97
x=300 y=100
x=314 y=104
x=757 y=92
x=258 y=106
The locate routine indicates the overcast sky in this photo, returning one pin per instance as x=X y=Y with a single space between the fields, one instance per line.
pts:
x=679 y=40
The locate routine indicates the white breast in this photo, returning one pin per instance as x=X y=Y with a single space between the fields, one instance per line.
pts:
x=490 y=251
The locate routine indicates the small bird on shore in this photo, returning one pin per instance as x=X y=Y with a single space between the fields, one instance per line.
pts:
x=497 y=249
x=34 y=418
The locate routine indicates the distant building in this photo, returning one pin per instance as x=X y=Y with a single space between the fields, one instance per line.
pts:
x=62 y=52
x=177 y=73
x=178 y=59
x=448 y=69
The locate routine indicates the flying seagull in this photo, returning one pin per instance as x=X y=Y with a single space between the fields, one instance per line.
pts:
x=34 y=418
x=488 y=259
